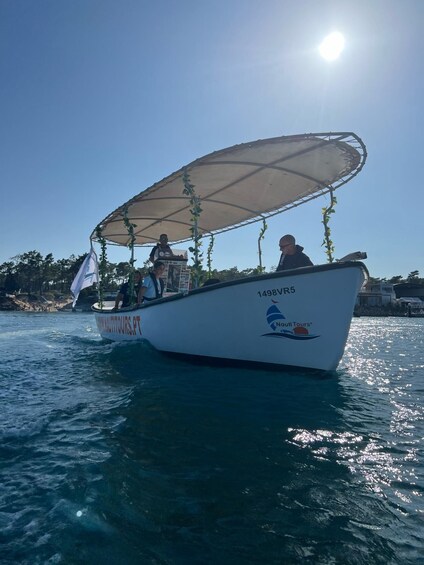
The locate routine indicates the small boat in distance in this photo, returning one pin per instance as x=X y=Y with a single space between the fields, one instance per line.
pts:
x=298 y=318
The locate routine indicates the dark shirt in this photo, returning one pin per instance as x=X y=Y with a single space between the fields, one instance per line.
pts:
x=159 y=250
x=299 y=259
x=124 y=290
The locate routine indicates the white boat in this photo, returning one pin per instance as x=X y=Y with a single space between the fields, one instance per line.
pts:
x=298 y=318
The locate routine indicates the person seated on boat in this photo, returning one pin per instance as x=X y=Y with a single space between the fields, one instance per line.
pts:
x=161 y=250
x=292 y=256
x=152 y=286
x=124 y=292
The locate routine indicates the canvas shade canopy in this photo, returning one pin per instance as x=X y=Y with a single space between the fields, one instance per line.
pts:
x=237 y=186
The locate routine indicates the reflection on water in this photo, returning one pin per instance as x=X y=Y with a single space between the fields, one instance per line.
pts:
x=114 y=453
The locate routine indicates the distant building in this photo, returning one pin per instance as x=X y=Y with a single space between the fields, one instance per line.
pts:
x=414 y=290
x=376 y=294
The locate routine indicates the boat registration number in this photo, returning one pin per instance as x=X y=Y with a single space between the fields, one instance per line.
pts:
x=276 y=291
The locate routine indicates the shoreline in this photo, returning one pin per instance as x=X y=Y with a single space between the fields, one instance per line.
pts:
x=11 y=303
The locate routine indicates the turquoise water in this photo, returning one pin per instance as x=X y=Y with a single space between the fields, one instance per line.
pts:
x=116 y=454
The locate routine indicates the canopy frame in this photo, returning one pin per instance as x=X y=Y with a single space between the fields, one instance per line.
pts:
x=347 y=143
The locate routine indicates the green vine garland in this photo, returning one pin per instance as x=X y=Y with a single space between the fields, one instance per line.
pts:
x=261 y=269
x=209 y=255
x=102 y=264
x=195 y=235
x=130 y=228
x=327 y=242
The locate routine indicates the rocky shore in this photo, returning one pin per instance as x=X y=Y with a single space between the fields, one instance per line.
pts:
x=23 y=303
x=32 y=303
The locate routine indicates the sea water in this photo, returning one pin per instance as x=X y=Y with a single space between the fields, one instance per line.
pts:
x=114 y=453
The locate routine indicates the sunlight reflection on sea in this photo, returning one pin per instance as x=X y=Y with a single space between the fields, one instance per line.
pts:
x=117 y=454
x=383 y=411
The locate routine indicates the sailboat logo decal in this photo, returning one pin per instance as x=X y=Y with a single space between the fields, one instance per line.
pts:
x=273 y=314
x=299 y=331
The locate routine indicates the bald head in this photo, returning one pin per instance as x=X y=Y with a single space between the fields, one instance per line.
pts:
x=288 y=245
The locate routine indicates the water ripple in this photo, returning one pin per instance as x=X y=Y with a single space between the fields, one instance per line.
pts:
x=116 y=454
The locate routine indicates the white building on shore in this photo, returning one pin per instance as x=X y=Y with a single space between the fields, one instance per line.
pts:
x=376 y=294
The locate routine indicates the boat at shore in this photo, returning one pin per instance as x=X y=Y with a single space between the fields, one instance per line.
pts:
x=299 y=317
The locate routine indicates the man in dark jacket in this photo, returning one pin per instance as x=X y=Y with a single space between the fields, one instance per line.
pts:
x=292 y=255
x=124 y=296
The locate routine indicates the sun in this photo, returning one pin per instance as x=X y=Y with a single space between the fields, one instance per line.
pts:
x=332 y=46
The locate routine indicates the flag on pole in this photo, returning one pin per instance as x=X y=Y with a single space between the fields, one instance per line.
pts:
x=87 y=275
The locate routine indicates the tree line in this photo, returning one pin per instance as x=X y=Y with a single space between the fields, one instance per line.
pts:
x=32 y=273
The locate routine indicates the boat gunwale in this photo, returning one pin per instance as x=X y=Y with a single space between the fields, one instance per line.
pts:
x=255 y=278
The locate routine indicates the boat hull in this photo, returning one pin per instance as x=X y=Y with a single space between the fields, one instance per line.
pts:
x=297 y=318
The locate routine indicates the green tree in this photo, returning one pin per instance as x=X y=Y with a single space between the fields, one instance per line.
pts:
x=62 y=276
x=122 y=271
x=11 y=284
x=413 y=276
x=29 y=267
x=5 y=268
x=46 y=280
x=33 y=273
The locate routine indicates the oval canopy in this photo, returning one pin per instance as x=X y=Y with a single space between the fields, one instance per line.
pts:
x=237 y=186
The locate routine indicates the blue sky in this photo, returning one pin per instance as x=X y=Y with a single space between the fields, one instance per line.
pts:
x=100 y=99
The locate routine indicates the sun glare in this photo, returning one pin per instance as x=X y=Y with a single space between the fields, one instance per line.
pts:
x=332 y=46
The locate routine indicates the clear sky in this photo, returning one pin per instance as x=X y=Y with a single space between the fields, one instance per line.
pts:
x=99 y=99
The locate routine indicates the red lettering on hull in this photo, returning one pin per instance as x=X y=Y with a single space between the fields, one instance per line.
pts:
x=115 y=324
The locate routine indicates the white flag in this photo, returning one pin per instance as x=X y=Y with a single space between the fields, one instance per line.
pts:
x=87 y=275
